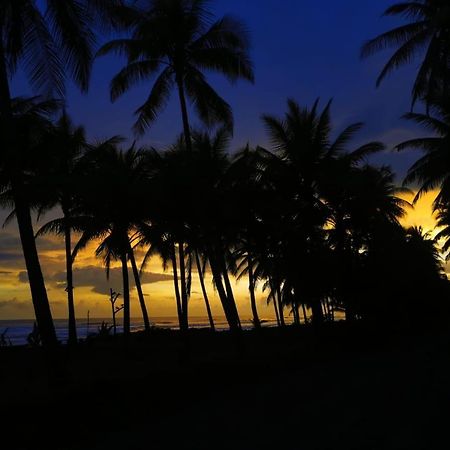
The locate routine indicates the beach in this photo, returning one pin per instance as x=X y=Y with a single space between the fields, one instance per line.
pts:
x=346 y=388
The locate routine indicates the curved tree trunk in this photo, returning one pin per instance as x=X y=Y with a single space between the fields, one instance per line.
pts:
x=205 y=294
x=126 y=296
x=69 y=277
x=177 y=287
x=229 y=291
x=139 y=289
x=251 y=288
x=36 y=280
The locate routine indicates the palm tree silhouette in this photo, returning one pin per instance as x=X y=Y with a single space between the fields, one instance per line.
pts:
x=47 y=45
x=68 y=145
x=304 y=157
x=112 y=193
x=22 y=186
x=428 y=28
x=176 y=40
x=432 y=170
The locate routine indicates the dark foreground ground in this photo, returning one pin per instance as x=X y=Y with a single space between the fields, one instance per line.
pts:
x=342 y=388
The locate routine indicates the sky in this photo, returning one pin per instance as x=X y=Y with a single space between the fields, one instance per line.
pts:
x=301 y=49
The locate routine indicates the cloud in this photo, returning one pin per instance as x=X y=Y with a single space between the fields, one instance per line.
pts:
x=16 y=304
x=95 y=277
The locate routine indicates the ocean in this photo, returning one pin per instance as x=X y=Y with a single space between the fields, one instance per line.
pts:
x=16 y=331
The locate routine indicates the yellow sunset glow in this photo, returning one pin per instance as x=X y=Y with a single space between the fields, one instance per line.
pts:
x=158 y=285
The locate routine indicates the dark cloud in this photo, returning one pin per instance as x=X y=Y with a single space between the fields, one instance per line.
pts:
x=95 y=277
x=16 y=304
x=10 y=257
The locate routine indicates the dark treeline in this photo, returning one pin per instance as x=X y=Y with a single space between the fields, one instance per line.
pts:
x=309 y=218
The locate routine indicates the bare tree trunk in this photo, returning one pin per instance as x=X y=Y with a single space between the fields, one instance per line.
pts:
x=139 y=289
x=126 y=296
x=69 y=276
x=205 y=294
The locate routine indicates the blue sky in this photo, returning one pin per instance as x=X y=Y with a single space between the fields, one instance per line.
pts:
x=302 y=49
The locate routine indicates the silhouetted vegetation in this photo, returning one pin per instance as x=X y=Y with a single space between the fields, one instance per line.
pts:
x=308 y=219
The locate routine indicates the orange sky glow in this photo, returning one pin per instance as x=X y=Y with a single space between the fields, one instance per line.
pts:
x=92 y=288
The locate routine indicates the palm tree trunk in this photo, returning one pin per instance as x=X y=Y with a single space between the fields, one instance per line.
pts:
x=126 y=296
x=275 y=307
x=139 y=289
x=177 y=287
x=251 y=288
x=184 y=112
x=36 y=280
x=233 y=323
x=305 y=314
x=317 y=312
x=184 y=294
x=205 y=294
x=229 y=291
x=69 y=276
x=280 y=306
x=295 y=313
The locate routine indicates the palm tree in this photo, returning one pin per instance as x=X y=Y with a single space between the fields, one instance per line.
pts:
x=181 y=229
x=21 y=187
x=113 y=193
x=47 y=45
x=432 y=170
x=427 y=32
x=302 y=159
x=68 y=145
x=176 y=41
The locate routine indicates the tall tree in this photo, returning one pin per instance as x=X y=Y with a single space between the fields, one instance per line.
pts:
x=175 y=41
x=21 y=187
x=113 y=194
x=302 y=156
x=48 y=44
x=66 y=148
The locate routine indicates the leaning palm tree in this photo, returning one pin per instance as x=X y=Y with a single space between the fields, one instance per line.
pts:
x=48 y=45
x=21 y=186
x=426 y=33
x=175 y=41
